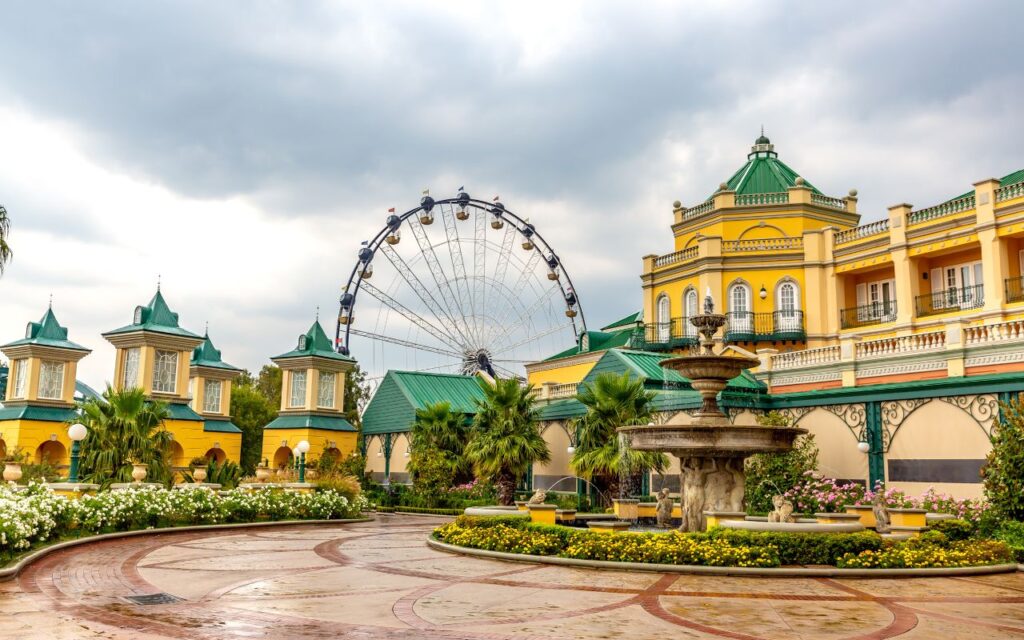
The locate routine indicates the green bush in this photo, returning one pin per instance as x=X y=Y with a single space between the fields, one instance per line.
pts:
x=771 y=474
x=924 y=553
x=955 y=529
x=1003 y=472
x=1011 y=533
x=801 y=548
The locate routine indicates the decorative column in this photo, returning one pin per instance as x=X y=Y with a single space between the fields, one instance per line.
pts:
x=876 y=452
x=386 y=444
x=994 y=257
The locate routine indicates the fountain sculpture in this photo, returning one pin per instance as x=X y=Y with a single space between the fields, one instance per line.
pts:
x=711 y=449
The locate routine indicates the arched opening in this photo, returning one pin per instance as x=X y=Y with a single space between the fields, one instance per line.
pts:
x=3 y=449
x=216 y=454
x=787 y=306
x=546 y=474
x=664 y=318
x=282 y=458
x=741 y=318
x=176 y=455
x=689 y=311
x=332 y=452
x=52 y=452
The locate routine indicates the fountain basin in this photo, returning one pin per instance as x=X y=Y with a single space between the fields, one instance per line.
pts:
x=793 y=527
x=711 y=441
x=712 y=367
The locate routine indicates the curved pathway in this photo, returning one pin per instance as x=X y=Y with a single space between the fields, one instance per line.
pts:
x=379 y=580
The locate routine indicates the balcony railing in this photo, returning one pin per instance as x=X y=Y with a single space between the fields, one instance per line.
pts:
x=828 y=201
x=662 y=336
x=1014 y=289
x=749 y=199
x=1010 y=191
x=762 y=245
x=953 y=299
x=965 y=203
x=676 y=256
x=868 y=314
x=862 y=231
x=747 y=326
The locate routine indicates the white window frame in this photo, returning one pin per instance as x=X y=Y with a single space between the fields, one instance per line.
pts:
x=131 y=368
x=787 y=315
x=51 y=380
x=875 y=300
x=664 y=317
x=690 y=309
x=165 y=371
x=737 y=322
x=20 y=378
x=297 y=389
x=217 y=386
x=325 y=394
x=952 y=285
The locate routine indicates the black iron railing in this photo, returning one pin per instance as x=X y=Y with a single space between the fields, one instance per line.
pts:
x=952 y=299
x=747 y=326
x=663 y=336
x=1014 y=289
x=868 y=314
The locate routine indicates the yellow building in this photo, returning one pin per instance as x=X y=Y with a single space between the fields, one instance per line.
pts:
x=312 y=402
x=40 y=392
x=902 y=334
x=210 y=388
x=155 y=354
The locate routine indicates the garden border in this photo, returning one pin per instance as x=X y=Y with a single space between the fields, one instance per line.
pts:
x=789 y=572
x=12 y=572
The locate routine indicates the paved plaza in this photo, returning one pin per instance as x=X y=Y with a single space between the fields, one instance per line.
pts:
x=380 y=580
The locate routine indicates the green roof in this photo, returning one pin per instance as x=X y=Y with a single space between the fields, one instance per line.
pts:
x=647 y=366
x=314 y=343
x=206 y=355
x=764 y=173
x=1008 y=179
x=597 y=341
x=29 y=412
x=311 y=421
x=156 y=317
x=393 y=406
x=180 y=411
x=220 y=426
x=48 y=333
x=627 y=322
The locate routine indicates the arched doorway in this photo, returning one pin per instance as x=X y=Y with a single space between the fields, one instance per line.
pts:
x=217 y=455
x=176 y=454
x=52 y=452
x=282 y=458
x=3 y=449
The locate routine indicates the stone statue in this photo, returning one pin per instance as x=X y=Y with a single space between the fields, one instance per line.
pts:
x=718 y=488
x=783 y=510
x=538 y=497
x=735 y=467
x=664 y=510
x=882 y=522
x=693 y=479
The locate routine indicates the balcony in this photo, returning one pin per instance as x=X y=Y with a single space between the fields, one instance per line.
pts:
x=954 y=299
x=747 y=326
x=868 y=314
x=1014 y=289
x=664 y=336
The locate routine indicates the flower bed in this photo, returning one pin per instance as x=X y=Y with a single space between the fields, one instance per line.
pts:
x=721 y=547
x=37 y=516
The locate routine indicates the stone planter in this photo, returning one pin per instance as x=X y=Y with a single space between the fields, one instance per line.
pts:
x=262 y=474
x=907 y=517
x=626 y=509
x=647 y=510
x=716 y=518
x=837 y=518
x=199 y=475
x=565 y=515
x=608 y=526
x=12 y=472
x=866 y=513
x=73 y=489
x=139 y=472
x=521 y=505
x=542 y=513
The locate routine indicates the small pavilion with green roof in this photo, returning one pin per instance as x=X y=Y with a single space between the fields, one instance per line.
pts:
x=210 y=384
x=312 y=401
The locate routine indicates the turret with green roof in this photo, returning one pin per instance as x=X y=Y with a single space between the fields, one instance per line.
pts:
x=210 y=383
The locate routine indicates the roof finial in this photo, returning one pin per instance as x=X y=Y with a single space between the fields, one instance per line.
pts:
x=762 y=129
x=51 y=302
x=158 y=282
x=206 y=330
x=318 y=313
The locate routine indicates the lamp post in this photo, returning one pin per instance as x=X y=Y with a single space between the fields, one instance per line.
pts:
x=302 y=448
x=77 y=433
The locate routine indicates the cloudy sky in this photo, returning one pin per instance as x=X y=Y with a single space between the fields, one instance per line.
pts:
x=242 y=150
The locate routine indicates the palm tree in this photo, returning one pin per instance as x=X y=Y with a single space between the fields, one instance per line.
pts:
x=505 y=440
x=601 y=453
x=124 y=428
x=5 y=249
x=438 y=429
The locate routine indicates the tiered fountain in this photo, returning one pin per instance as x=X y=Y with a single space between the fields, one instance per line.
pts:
x=711 y=450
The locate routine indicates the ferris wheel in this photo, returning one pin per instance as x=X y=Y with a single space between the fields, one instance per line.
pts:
x=457 y=285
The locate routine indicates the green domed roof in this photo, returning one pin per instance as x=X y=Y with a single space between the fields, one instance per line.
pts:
x=764 y=172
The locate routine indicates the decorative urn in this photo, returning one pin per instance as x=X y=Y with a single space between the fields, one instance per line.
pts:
x=199 y=475
x=139 y=472
x=262 y=473
x=12 y=472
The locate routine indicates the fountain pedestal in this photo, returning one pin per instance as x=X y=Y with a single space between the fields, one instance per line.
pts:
x=711 y=450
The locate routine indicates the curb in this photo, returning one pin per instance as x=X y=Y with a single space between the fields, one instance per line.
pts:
x=830 y=572
x=409 y=513
x=9 y=573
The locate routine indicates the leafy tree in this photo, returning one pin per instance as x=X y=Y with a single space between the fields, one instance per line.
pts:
x=602 y=455
x=251 y=410
x=5 y=229
x=124 y=428
x=1003 y=473
x=770 y=474
x=505 y=440
x=269 y=384
x=436 y=456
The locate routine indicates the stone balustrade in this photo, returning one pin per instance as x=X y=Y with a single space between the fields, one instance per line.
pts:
x=763 y=244
x=828 y=201
x=805 y=358
x=863 y=231
x=994 y=333
x=699 y=210
x=676 y=256
x=965 y=203
x=886 y=347
x=747 y=200
x=1010 y=191
x=554 y=391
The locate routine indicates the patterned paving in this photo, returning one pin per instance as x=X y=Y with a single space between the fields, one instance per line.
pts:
x=379 y=580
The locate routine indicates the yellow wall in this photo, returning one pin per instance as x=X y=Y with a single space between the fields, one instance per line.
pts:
x=319 y=441
x=28 y=435
x=195 y=442
x=560 y=375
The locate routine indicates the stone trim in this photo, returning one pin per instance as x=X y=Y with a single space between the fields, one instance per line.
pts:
x=896 y=369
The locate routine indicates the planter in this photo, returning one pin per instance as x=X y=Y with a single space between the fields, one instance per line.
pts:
x=262 y=474
x=838 y=518
x=608 y=526
x=198 y=476
x=907 y=517
x=542 y=513
x=866 y=513
x=521 y=505
x=12 y=472
x=139 y=472
x=626 y=509
x=716 y=518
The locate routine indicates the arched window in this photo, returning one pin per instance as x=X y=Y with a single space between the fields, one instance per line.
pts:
x=740 y=318
x=787 y=306
x=689 y=311
x=664 y=318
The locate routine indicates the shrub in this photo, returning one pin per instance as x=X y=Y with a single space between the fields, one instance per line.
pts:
x=1011 y=533
x=920 y=554
x=668 y=548
x=770 y=474
x=501 y=537
x=801 y=548
x=815 y=494
x=1003 y=473
x=955 y=529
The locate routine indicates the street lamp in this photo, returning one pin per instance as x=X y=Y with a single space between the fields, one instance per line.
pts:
x=570 y=449
x=77 y=433
x=863 y=447
x=302 y=448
